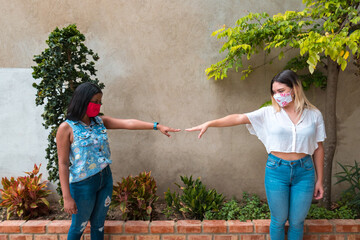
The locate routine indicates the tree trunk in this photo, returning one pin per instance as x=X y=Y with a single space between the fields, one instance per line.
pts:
x=330 y=126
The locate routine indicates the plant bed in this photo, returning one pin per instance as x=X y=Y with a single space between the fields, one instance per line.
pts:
x=57 y=213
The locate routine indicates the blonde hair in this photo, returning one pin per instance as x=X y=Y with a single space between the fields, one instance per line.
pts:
x=290 y=79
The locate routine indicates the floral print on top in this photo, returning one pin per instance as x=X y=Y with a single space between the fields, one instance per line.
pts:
x=89 y=151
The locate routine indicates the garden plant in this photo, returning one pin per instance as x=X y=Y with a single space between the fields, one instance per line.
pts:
x=135 y=196
x=25 y=196
x=61 y=67
x=194 y=201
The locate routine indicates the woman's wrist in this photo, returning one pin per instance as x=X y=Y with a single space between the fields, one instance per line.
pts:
x=208 y=124
x=155 y=125
x=67 y=197
x=319 y=181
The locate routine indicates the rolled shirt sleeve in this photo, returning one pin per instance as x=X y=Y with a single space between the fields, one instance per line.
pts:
x=257 y=120
x=320 y=128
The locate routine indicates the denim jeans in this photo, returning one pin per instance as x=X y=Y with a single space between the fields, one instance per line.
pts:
x=289 y=189
x=92 y=197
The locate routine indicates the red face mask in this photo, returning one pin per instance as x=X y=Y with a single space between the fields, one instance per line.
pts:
x=93 y=109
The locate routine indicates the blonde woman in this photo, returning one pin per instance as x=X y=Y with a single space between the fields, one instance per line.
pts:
x=293 y=131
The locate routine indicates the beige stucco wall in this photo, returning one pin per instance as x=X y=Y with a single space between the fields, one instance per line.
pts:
x=152 y=60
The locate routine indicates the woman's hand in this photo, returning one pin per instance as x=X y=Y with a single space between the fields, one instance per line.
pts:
x=319 y=190
x=202 y=128
x=70 y=206
x=165 y=130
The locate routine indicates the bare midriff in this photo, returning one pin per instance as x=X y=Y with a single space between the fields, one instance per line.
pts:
x=289 y=156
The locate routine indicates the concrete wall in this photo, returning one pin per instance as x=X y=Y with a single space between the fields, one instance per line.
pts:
x=152 y=60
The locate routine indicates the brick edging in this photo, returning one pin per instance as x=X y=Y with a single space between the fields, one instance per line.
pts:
x=177 y=230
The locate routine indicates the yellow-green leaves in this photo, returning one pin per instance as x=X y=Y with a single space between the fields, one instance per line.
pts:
x=323 y=28
x=312 y=61
x=218 y=31
x=246 y=72
x=281 y=55
x=334 y=45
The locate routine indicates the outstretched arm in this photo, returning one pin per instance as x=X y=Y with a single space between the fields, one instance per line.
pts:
x=134 y=124
x=228 y=121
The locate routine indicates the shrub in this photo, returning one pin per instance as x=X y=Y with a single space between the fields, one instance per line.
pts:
x=351 y=176
x=136 y=196
x=345 y=212
x=229 y=211
x=250 y=207
x=25 y=196
x=194 y=201
x=317 y=212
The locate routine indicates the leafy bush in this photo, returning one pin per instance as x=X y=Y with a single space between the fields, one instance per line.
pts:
x=254 y=208
x=251 y=207
x=229 y=211
x=348 y=207
x=343 y=212
x=317 y=212
x=61 y=67
x=25 y=196
x=194 y=201
x=351 y=176
x=136 y=196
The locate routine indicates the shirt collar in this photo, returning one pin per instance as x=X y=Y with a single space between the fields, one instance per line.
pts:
x=303 y=114
x=92 y=123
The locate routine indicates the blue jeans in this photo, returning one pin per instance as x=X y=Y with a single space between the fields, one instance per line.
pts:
x=289 y=189
x=92 y=197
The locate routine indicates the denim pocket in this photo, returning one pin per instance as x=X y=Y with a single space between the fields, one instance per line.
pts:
x=84 y=139
x=271 y=164
x=103 y=134
x=308 y=164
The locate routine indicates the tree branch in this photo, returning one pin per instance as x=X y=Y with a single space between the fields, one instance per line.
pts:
x=271 y=59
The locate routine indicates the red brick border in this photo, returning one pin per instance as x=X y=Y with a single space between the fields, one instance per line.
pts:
x=180 y=230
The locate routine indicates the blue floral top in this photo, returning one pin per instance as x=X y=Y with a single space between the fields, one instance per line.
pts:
x=89 y=151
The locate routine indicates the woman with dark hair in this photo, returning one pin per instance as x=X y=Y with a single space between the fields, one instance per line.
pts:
x=292 y=130
x=82 y=141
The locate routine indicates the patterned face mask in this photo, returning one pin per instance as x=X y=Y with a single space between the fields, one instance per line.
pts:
x=283 y=99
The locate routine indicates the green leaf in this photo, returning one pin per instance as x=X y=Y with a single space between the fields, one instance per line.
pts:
x=281 y=55
x=343 y=65
x=44 y=200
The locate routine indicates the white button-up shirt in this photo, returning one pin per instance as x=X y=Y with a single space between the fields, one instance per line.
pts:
x=279 y=134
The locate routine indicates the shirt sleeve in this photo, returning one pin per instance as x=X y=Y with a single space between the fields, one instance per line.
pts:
x=257 y=126
x=320 y=128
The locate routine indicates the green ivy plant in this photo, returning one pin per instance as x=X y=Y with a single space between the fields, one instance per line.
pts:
x=60 y=68
x=229 y=211
x=343 y=212
x=249 y=208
